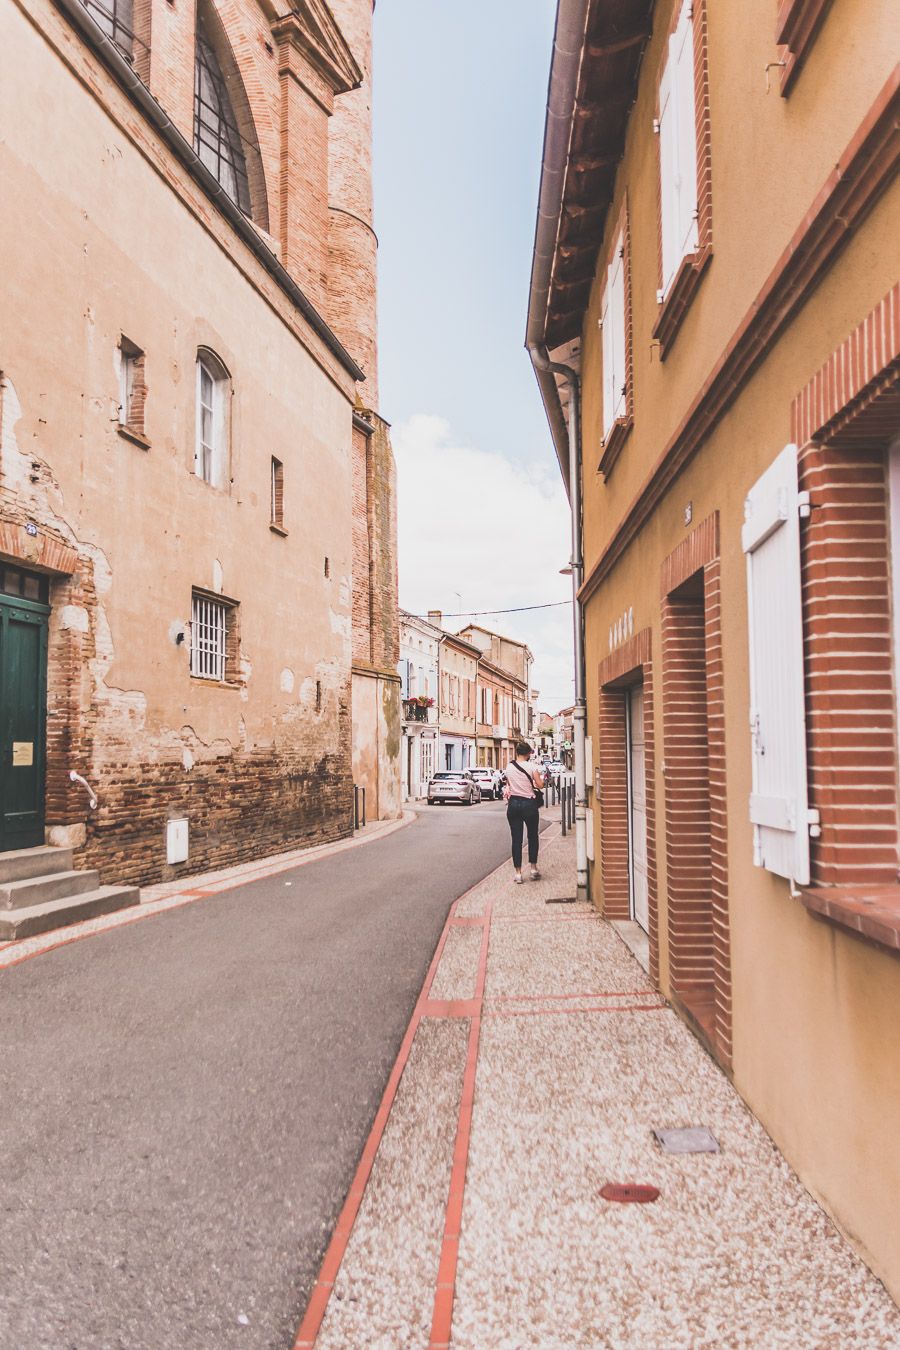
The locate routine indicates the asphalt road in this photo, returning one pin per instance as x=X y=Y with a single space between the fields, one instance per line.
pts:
x=183 y=1101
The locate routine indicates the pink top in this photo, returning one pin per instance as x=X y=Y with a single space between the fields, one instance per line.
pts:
x=517 y=778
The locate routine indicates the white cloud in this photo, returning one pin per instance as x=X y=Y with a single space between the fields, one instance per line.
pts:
x=480 y=531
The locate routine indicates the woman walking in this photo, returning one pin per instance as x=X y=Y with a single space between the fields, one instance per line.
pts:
x=523 y=783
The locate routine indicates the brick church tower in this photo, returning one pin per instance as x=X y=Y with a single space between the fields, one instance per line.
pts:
x=352 y=313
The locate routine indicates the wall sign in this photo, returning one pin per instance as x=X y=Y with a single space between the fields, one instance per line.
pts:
x=23 y=753
x=622 y=629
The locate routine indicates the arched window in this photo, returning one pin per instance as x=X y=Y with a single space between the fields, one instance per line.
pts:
x=217 y=139
x=116 y=18
x=211 y=449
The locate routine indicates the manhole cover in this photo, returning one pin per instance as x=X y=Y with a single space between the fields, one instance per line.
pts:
x=629 y=1193
x=693 y=1139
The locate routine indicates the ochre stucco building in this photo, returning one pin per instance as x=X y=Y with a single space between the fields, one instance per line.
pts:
x=716 y=261
x=197 y=509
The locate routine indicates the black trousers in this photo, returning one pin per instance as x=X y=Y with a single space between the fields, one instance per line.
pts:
x=522 y=813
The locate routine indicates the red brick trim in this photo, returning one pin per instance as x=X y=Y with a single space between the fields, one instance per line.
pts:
x=865 y=365
x=796 y=28
x=687 y=280
x=699 y=548
x=626 y=659
x=612 y=446
x=40 y=551
x=870 y=912
x=618 y=673
x=695 y=790
x=864 y=170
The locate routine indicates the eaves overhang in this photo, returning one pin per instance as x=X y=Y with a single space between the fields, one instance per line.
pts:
x=597 y=51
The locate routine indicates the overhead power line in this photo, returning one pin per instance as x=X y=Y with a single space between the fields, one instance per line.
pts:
x=479 y=613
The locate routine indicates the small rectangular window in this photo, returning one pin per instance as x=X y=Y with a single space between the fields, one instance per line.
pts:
x=211 y=451
x=209 y=637
x=132 y=387
x=276 y=494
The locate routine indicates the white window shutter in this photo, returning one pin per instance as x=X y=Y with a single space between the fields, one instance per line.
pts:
x=686 y=118
x=779 y=801
x=667 y=169
x=606 y=334
x=617 y=326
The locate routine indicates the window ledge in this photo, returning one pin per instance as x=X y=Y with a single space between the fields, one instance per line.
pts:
x=871 y=912
x=797 y=25
x=673 y=309
x=612 y=446
x=136 y=437
x=216 y=684
x=278 y=529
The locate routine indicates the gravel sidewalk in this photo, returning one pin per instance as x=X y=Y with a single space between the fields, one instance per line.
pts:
x=480 y=1224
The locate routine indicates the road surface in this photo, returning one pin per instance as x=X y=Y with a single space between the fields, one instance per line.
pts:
x=185 y=1099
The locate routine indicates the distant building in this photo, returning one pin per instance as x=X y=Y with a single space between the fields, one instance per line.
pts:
x=458 y=676
x=420 y=644
x=545 y=737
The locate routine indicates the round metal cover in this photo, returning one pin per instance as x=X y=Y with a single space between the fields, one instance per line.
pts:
x=629 y=1193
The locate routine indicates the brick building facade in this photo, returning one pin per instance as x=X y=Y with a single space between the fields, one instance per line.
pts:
x=197 y=511
x=716 y=263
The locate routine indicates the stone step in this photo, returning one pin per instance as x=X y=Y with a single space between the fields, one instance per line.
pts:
x=39 y=890
x=19 y=863
x=22 y=923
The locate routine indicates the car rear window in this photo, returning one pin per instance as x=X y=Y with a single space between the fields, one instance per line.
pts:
x=448 y=777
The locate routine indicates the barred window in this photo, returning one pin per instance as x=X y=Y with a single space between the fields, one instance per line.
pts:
x=217 y=140
x=209 y=632
x=116 y=18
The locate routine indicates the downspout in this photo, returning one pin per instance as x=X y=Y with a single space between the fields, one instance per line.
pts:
x=541 y=361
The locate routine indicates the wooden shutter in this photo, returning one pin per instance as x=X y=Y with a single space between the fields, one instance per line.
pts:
x=668 y=161
x=779 y=806
x=617 y=326
x=682 y=59
x=606 y=333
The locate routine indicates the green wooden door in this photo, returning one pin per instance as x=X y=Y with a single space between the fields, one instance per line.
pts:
x=23 y=698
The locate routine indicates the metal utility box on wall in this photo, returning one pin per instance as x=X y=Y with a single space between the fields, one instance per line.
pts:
x=176 y=841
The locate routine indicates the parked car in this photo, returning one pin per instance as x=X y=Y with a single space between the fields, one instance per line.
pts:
x=456 y=785
x=489 y=780
x=554 y=768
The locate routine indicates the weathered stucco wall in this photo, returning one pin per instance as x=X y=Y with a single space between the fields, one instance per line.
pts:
x=131 y=247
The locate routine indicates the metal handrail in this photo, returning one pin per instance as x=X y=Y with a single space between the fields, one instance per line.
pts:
x=92 y=796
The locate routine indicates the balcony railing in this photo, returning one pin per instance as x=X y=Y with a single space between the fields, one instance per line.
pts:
x=417 y=712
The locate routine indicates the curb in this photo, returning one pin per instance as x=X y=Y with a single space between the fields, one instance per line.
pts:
x=320 y=1296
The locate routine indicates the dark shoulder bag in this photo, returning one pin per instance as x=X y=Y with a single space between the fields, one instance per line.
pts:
x=538 y=793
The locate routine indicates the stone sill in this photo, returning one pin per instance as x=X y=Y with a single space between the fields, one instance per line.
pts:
x=680 y=294
x=136 y=437
x=871 y=912
x=279 y=530
x=612 y=446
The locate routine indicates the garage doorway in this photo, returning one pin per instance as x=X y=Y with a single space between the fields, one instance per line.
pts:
x=638 y=879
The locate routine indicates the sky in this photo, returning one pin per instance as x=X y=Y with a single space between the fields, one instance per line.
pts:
x=459 y=99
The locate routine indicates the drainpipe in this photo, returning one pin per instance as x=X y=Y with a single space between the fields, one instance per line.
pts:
x=541 y=361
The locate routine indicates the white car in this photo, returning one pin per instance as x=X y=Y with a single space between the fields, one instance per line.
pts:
x=489 y=780
x=453 y=785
